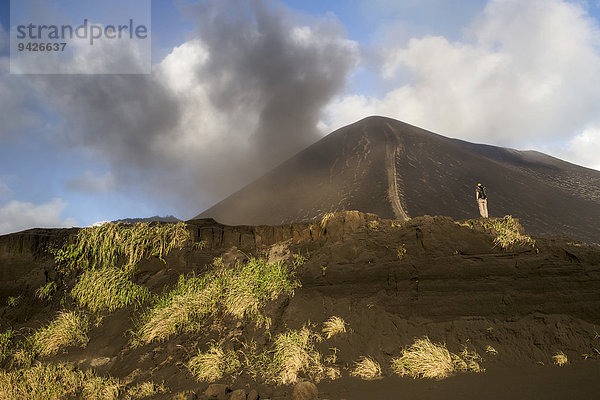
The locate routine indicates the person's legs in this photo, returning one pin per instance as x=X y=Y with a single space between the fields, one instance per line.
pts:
x=483 y=211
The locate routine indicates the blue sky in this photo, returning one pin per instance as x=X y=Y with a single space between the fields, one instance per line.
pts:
x=225 y=100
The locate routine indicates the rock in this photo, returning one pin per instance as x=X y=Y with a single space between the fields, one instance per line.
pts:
x=217 y=391
x=253 y=395
x=239 y=394
x=306 y=391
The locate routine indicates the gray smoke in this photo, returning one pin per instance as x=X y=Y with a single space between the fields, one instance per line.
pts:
x=267 y=77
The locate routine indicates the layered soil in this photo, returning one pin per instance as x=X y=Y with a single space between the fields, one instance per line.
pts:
x=450 y=282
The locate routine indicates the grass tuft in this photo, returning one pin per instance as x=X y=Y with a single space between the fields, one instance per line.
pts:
x=560 y=359
x=145 y=389
x=211 y=365
x=326 y=219
x=424 y=359
x=6 y=340
x=46 y=292
x=366 y=368
x=241 y=291
x=69 y=328
x=61 y=381
x=12 y=302
x=333 y=326
x=107 y=289
x=294 y=352
x=104 y=246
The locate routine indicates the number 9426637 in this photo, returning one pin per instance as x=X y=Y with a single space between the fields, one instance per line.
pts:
x=34 y=46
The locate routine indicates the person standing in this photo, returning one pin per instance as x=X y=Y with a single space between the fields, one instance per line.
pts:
x=481 y=196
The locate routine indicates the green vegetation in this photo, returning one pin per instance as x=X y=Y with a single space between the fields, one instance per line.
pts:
x=106 y=245
x=69 y=328
x=213 y=364
x=241 y=291
x=366 y=368
x=63 y=381
x=6 y=339
x=373 y=225
x=107 y=289
x=46 y=292
x=13 y=301
x=424 y=359
x=333 y=326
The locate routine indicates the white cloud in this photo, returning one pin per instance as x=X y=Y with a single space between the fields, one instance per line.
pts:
x=17 y=216
x=90 y=183
x=585 y=148
x=526 y=73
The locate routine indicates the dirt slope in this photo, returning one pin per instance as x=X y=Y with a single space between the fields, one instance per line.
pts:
x=451 y=284
x=383 y=166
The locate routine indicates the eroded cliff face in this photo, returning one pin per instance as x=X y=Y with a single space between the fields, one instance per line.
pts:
x=391 y=281
x=448 y=270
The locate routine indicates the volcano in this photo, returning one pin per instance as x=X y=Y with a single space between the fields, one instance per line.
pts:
x=395 y=170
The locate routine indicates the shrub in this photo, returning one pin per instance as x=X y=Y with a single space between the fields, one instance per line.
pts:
x=424 y=359
x=104 y=246
x=46 y=292
x=67 y=329
x=213 y=364
x=107 y=289
x=366 y=368
x=333 y=326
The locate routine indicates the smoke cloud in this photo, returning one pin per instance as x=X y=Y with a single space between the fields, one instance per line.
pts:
x=240 y=96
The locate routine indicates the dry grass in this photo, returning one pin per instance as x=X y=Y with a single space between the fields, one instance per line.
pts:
x=213 y=364
x=242 y=291
x=506 y=229
x=107 y=245
x=366 y=368
x=334 y=326
x=294 y=352
x=424 y=359
x=107 y=289
x=491 y=350
x=69 y=328
x=145 y=389
x=61 y=381
x=560 y=359
x=326 y=219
